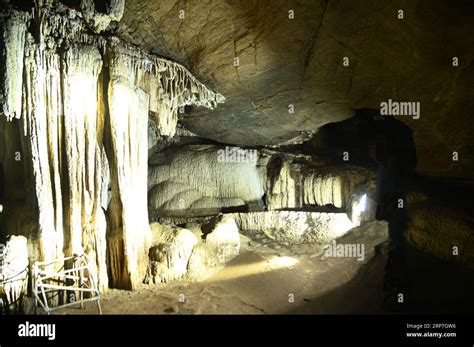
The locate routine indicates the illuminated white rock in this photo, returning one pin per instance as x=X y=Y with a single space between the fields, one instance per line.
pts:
x=281 y=185
x=295 y=227
x=191 y=180
x=99 y=21
x=14 y=272
x=221 y=244
x=77 y=113
x=324 y=190
x=169 y=255
x=11 y=74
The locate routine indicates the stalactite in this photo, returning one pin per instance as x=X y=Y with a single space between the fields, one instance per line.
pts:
x=337 y=186
x=39 y=63
x=321 y=190
x=99 y=21
x=169 y=84
x=13 y=26
x=86 y=220
x=140 y=83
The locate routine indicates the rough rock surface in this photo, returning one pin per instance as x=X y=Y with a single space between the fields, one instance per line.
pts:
x=295 y=227
x=299 y=61
x=220 y=244
x=192 y=180
x=281 y=185
x=260 y=280
x=443 y=232
x=196 y=255
x=169 y=255
x=302 y=185
x=99 y=21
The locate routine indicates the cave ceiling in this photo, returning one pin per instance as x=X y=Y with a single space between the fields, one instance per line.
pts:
x=288 y=64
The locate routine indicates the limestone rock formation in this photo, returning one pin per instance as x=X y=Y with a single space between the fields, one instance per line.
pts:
x=195 y=180
x=281 y=185
x=198 y=180
x=324 y=190
x=373 y=235
x=100 y=134
x=196 y=255
x=443 y=232
x=220 y=244
x=169 y=254
x=301 y=185
x=13 y=29
x=75 y=111
x=295 y=227
x=97 y=20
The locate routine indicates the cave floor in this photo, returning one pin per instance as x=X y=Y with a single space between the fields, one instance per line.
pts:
x=254 y=283
x=262 y=280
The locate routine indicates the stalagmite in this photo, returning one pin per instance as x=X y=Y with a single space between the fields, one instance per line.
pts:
x=169 y=255
x=194 y=254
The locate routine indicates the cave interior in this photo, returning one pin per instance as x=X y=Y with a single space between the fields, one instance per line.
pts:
x=237 y=157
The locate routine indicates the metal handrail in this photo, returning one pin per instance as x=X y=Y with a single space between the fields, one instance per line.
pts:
x=40 y=276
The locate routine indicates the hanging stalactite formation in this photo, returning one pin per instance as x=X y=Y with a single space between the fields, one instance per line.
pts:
x=74 y=108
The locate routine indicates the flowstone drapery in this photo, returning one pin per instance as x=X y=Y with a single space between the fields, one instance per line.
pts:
x=75 y=106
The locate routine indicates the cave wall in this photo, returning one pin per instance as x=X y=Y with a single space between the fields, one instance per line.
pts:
x=200 y=180
x=190 y=180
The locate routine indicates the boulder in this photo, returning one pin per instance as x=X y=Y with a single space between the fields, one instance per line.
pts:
x=195 y=254
x=170 y=253
x=221 y=243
